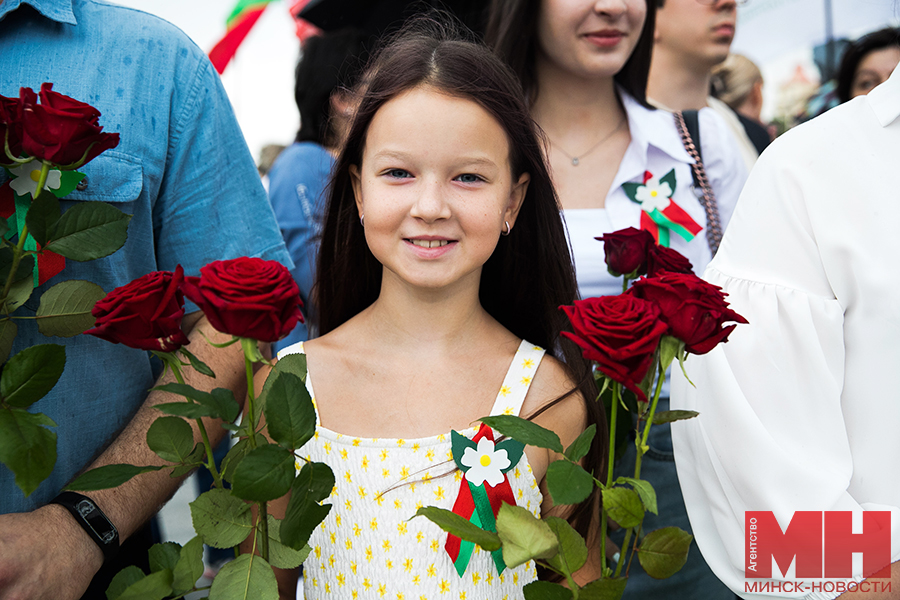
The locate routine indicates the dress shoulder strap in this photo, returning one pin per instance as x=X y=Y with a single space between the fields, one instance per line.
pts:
x=518 y=379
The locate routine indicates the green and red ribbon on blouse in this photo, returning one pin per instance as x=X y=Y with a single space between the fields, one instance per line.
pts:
x=14 y=207
x=659 y=222
x=480 y=504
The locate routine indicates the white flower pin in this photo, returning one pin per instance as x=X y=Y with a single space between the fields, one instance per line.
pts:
x=654 y=195
x=25 y=178
x=485 y=463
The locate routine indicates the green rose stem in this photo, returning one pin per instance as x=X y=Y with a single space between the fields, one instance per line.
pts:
x=18 y=251
x=613 y=412
x=250 y=349
x=175 y=365
x=641 y=449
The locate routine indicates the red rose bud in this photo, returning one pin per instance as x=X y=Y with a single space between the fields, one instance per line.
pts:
x=694 y=309
x=247 y=297
x=665 y=260
x=620 y=333
x=145 y=314
x=10 y=130
x=61 y=130
x=626 y=251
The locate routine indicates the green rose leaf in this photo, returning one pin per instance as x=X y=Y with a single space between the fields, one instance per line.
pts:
x=219 y=403
x=530 y=434
x=645 y=491
x=663 y=552
x=573 y=551
x=295 y=364
x=313 y=484
x=189 y=410
x=164 y=556
x=290 y=415
x=198 y=365
x=568 y=483
x=266 y=473
x=223 y=401
x=222 y=520
x=282 y=556
x=623 y=506
x=155 y=586
x=41 y=216
x=27 y=447
x=8 y=331
x=582 y=444
x=464 y=529
x=108 y=476
x=89 y=230
x=122 y=580
x=524 y=536
x=248 y=577
x=545 y=590
x=235 y=455
x=65 y=308
x=608 y=588
x=188 y=566
x=171 y=438
x=31 y=374
x=21 y=290
x=670 y=416
x=25 y=268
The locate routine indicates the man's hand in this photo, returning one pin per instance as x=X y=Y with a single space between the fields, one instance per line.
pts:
x=45 y=555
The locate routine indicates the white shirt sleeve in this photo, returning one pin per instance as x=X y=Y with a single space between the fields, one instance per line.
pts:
x=798 y=409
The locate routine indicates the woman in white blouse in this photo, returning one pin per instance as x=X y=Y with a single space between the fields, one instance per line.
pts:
x=800 y=409
x=584 y=67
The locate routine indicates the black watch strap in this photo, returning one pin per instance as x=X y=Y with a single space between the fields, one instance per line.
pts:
x=92 y=520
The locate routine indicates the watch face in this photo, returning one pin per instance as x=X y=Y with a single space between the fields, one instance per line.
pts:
x=104 y=529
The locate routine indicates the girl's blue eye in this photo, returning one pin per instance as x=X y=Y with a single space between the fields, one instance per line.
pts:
x=398 y=173
x=469 y=178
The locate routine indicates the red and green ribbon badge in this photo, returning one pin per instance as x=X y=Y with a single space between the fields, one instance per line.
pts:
x=659 y=213
x=14 y=207
x=481 y=503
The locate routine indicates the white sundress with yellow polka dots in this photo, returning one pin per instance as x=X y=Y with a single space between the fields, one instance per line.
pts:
x=368 y=547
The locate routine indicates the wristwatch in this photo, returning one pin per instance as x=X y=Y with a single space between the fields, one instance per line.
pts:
x=92 y=520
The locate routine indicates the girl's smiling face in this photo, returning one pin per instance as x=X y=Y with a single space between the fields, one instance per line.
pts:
x=435 y=187
x=589 y=38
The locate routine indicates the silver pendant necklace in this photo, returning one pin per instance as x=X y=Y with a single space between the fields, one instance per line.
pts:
x=576 y=160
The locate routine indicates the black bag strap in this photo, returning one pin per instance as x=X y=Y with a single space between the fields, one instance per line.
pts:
x=684 y=121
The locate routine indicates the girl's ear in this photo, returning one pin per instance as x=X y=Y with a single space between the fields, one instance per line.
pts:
x=516 y=197
x=356 y=182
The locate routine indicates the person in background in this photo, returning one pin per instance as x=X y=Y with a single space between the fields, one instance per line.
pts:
x=298 y=179
x=867 y=63
x=584 y=67
x=799 y=411
x=183 y=171
x=692 y=37
x=738 y=83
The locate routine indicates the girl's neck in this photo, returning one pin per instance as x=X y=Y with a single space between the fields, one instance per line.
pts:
x=568 y=104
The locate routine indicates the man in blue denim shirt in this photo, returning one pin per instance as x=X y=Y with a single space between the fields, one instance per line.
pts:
x=183 y=171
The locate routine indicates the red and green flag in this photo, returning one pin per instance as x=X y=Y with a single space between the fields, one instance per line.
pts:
x=239 y=23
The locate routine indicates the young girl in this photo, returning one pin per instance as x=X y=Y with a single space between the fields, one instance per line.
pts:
x=442 y=266
x=584 y=65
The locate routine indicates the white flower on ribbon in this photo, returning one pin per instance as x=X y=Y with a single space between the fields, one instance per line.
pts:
x=654 y=195
x=25 y=178
x=485 y=463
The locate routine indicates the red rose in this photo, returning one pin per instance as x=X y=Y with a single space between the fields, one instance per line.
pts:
x=661 y=259
x=620 y=333
x=144 y=314
x=694 y=309
x=247 y=297
x=61 y=130
x=626 y=251
x=10 y=129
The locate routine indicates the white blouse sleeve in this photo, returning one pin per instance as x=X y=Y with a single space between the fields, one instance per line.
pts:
x=725 y=167
x=777 y=428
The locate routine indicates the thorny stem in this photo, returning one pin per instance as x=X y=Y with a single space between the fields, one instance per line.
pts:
x=263 y=522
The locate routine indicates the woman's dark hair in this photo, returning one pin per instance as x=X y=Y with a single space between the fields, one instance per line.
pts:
x=512 y=32
x=329 y=62
x=529 y=275
x=857 y=51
